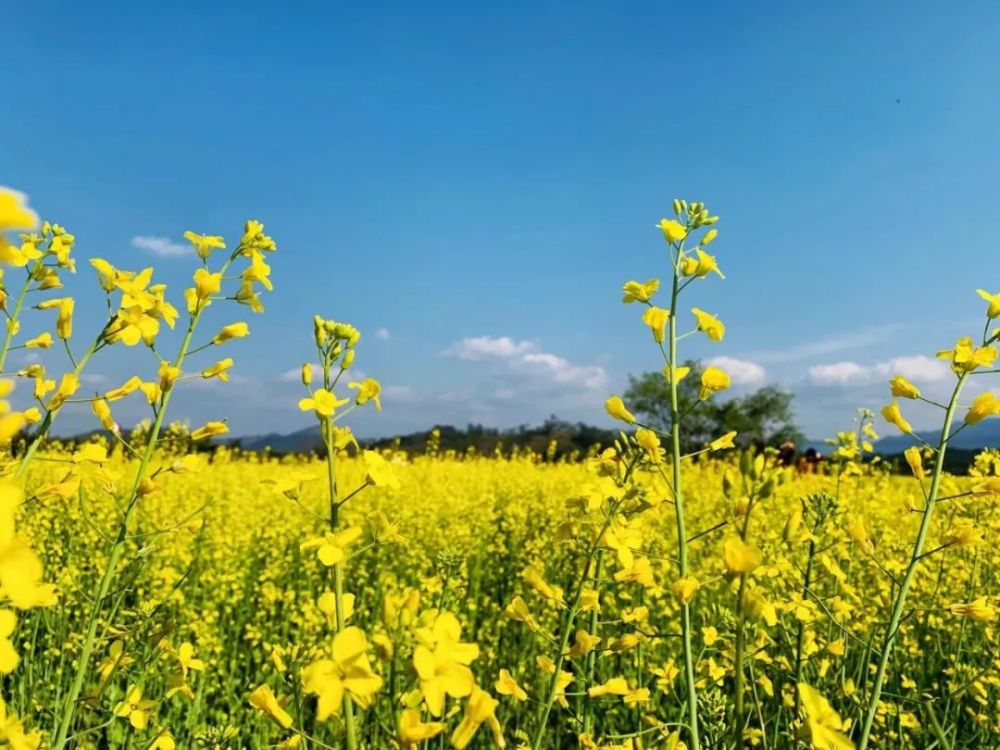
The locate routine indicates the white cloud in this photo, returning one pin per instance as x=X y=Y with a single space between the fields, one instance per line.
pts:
x=741 y=371
x=828 y=345
x=161 y=246
x=382 y=334
x=527 y=359
x=486 y=347
x=563 y=371
x=295 y=375
x=839 y=373
x=402 y=394
x=918 y=368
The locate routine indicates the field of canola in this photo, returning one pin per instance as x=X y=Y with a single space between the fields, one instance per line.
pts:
x=152 y=596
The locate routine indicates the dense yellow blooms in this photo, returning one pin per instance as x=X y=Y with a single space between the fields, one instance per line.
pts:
x=158 y=590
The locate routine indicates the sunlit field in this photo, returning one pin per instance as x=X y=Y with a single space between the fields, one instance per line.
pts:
x=161 y=590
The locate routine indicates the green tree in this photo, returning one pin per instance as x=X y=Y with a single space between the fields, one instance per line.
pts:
x=764 y=417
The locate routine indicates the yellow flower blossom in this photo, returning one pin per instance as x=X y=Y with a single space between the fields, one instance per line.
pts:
x=978 y=609
x=740 y=557
x=441 y=661
x=723 y=442
x=481 y=707
x=14 y=211
x=210 y=430
x=413 y=731
x=634 y=291
x=700 y=266
x=708 y=324
x=915 y=460
x=684 y=589
x=231 y=331
x=993 y=300
x=713 y=380
x=41 y=341
x=347 y=673
x=984 y=405
x=323 y=402
x=135 y=708
x=205 y=244
x=507 y=685
x=331 y=548
x=368 y=390
x=966 y=356
x=673 y=231
x=206 y=283
x=903 y=388
x=892 y=415
x=656 y=319
x=823 y=727
x=616 y=408
x=613 y=686
x=264 y=700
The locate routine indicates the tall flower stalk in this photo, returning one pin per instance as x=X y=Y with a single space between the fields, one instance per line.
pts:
x=966 y=358
x=335 y=346
x=687 y=265
x=138 y=319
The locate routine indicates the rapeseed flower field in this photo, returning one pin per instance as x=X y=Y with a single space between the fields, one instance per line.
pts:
x=157 y=596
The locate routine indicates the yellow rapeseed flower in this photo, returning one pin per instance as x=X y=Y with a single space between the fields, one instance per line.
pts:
x=892 y=415
x=823 y=727
x=14 y=211
x=656 y=319
x=673 y=230
x=635 y=291
x=616 y=408
x=264 y=700
x=348 y=672
x=713 y=380
x=993 y=300
x=708 y=324
x=984 y=405
x=903 y=388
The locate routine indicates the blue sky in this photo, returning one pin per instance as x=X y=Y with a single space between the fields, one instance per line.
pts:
x=476 y=181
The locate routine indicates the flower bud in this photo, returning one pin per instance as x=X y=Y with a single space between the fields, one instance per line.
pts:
x=767 y=489
x=727 y=484
x=146 y=487
x=318 y=330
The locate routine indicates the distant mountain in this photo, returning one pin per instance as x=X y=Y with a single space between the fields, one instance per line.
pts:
x=302 y=441
x=986 y=434
x=961 y=452
x=571 y=437
x=567 y=437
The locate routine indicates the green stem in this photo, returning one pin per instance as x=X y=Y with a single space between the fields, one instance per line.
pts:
x=118 y=547
x=12 y=323
x=338 y=574
x=800 y=636
x=739 y=709
x=567 y=626
x=682 y=560
x=936 y=728
x=50 y=416
x=588 y=717
x=904 y=584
